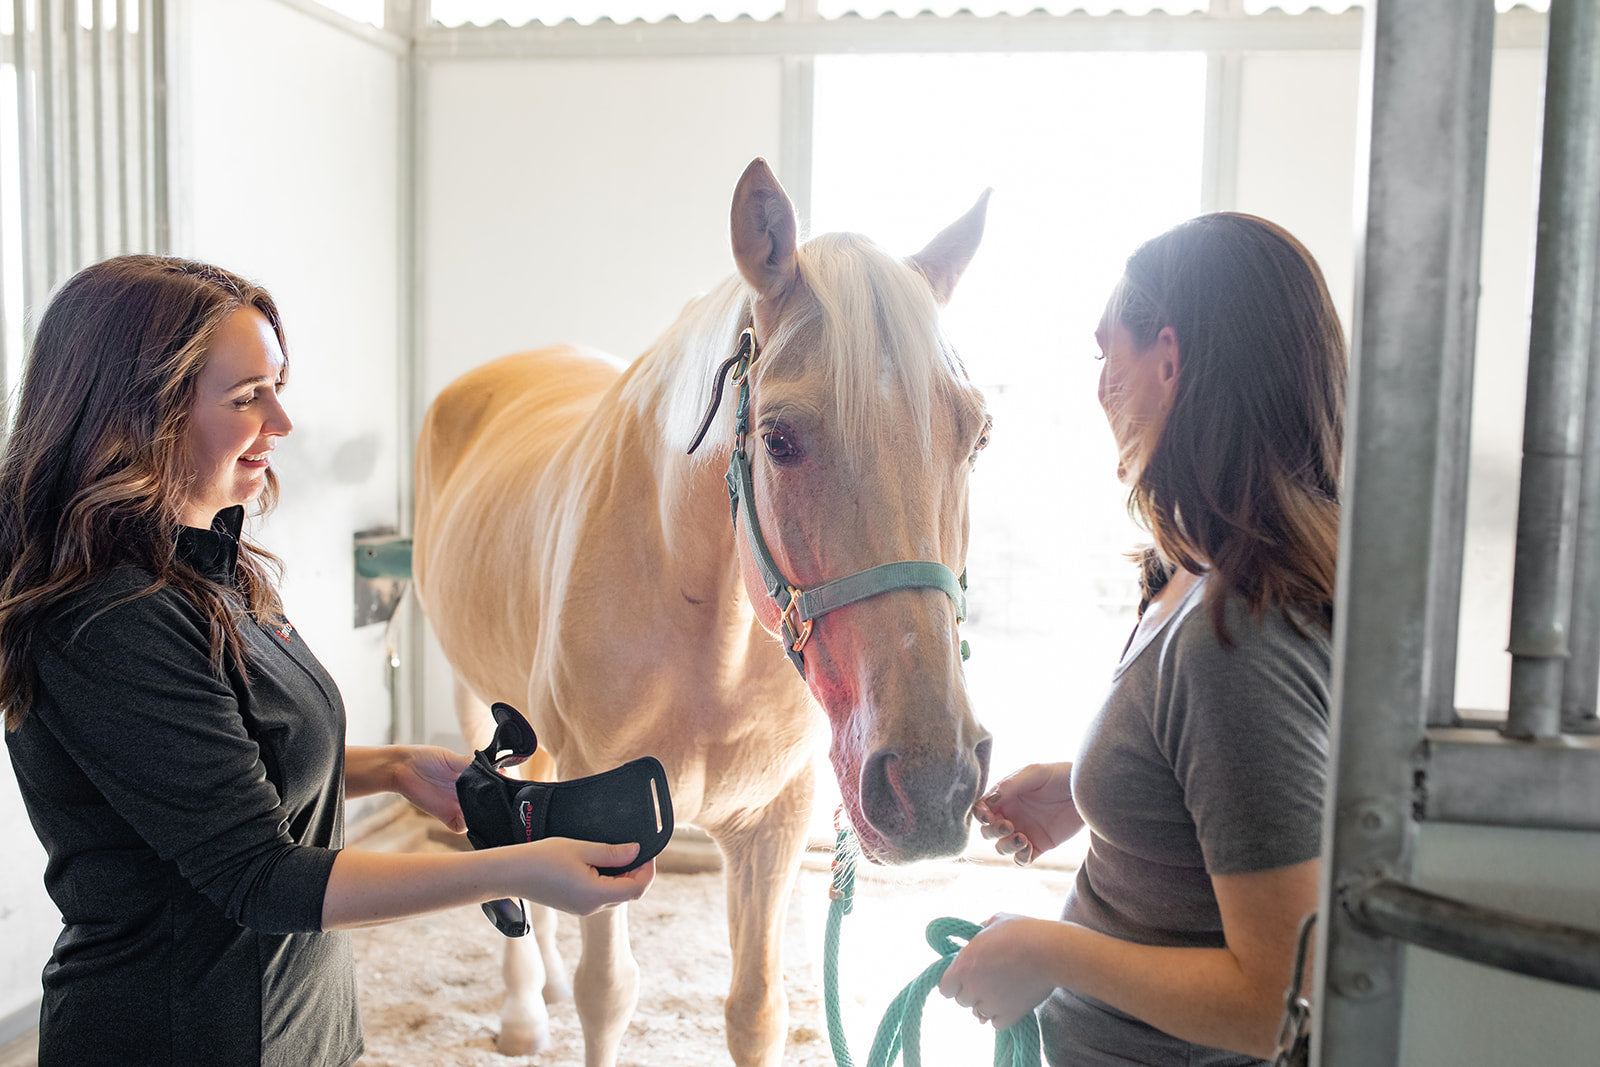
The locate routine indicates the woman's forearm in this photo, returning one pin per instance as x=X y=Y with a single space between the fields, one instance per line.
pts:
x=369 y=770
x=367 y=888
x=1198 y=994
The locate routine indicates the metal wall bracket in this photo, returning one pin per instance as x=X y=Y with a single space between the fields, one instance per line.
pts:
x=382 y=573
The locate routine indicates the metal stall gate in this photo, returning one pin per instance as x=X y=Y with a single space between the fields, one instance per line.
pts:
x=1403 y=754
x=87 y=155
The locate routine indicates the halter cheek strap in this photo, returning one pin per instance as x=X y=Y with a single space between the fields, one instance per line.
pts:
x=800 y=608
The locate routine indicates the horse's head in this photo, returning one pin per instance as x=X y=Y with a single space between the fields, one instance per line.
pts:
x=863 y=429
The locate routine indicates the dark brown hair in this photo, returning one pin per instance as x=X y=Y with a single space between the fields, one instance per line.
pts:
x=1244 y=476
x=94 y=473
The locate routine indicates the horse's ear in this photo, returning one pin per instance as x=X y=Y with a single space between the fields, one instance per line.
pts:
x=948 y=254
x=763 y=231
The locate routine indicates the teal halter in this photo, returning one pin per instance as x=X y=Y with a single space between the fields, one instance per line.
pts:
x=799 y=608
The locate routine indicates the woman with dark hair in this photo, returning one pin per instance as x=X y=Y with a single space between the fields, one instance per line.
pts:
x=179 y=749
x=1201 y=779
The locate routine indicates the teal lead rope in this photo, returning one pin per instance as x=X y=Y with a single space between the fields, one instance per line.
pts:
x=841 y=894
x=901 y=1029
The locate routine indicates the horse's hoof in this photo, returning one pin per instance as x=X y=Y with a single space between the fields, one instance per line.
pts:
x=557 y=990
x=522 y=1039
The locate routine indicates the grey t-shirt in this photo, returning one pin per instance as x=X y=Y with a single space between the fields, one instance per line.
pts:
x=1204 y=760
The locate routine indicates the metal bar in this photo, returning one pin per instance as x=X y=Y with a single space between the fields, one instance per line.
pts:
x=1477 y=777
x=406 y=16
x=124 y=191
x=147 y=237
x=1558 y=367
x=1270 y=32
x=49 y=143
x=1424 y=113
x=1552 y=951
x=35 y=279
x=73 y=133
x=97 y=52
x=1580 y=685
x=157 y=115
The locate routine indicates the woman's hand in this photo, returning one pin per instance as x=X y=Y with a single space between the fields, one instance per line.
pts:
x=1029 y=812
x=426 y=775
x=563 y=874
x=1004 y=972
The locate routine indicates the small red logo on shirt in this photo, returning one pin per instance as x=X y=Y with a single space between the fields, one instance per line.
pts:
x=527 y=821
x=286 y=630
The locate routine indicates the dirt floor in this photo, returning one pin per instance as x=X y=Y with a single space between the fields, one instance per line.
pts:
x=431 y=987
x=446 y=1011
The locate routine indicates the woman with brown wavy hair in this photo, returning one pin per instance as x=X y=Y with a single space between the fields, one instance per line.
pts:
x=1201 y=780
x=179 y=749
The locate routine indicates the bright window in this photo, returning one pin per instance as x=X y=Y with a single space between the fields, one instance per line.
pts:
x=1088 y=155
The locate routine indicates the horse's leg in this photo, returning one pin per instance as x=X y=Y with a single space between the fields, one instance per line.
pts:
x=557 y=986
x=606 y=985
x=524 y=1022
x=761 y=860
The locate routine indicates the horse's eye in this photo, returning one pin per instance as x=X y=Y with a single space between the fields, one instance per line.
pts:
x=779 y=446
x=983 y=438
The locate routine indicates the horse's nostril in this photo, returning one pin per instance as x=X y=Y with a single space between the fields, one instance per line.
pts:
x=882 y=799
x=981 y=751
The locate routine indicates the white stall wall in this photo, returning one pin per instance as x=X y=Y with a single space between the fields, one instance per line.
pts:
x=289 y=165
x=579 y=201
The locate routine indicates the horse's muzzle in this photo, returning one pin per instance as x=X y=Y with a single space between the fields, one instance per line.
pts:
x=918 y=808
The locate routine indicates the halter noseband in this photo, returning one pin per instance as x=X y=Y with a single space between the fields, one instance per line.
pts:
x=799 y=608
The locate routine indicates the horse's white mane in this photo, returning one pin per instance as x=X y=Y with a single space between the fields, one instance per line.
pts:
x=874 y=316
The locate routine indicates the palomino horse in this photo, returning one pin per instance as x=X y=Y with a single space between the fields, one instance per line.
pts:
x=574 y=560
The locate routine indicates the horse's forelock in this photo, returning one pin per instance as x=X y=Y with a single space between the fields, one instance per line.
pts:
x=870 y=316
x=685 y=361
x=874 y=320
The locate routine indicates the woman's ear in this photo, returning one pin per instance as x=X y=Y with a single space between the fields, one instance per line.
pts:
x=1167 y=352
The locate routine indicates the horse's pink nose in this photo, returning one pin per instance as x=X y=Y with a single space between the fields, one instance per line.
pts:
x=920 y=807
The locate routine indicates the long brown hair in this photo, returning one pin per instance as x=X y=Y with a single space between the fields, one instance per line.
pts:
x=1244 y=475
x=94 y=473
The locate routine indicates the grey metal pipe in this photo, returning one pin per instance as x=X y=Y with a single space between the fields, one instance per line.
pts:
x=1558 y=371
x=124 y=193
x=97 y=87
x=1425 y=115
x=35 y=277
x=1580 y=684
x=72 y=132
x=158 y=197
x=146 y=96
x=1552 y=951
x=48 y=140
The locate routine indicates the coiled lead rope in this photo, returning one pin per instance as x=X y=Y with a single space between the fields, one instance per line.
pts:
x=901 y=1029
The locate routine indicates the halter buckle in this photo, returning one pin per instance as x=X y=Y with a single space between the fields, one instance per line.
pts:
x=799 y=630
